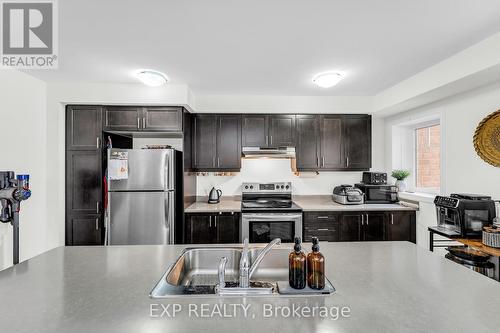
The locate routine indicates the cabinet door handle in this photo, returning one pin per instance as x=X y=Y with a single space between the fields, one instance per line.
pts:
x=323 y=161
x=271 y=139
x=97 y=223
x=98 y=143
x=138 y=123
x=210 y=221
x=218 y=161
x=97 y=208
x=215 y=222
x=266 y=140
x=323 y=217
x=323 y=229
x=143 y=122
x=367 y=220
x=317 y=161
x=392 y=218
x=362 y=219
x=347 y=161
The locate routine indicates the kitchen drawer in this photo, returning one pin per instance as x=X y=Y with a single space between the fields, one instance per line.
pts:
x=320 y=217
x=328 y=233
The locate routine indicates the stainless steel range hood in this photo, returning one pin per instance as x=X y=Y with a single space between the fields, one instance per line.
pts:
x=259 y=152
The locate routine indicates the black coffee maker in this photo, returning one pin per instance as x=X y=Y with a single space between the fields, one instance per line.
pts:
x=465 y=214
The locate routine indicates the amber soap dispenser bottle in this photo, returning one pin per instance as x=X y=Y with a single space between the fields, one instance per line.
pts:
x=297 y=266
x=315 y=267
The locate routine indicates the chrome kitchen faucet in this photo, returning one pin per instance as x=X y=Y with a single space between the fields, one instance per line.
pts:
x=245 y=273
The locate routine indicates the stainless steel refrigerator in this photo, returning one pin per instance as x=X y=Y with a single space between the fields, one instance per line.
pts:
x=143 y=196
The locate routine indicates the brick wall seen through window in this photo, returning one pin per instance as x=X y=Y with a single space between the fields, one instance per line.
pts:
x=428 y=157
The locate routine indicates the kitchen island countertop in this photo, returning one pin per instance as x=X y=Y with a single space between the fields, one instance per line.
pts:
x=387 y=286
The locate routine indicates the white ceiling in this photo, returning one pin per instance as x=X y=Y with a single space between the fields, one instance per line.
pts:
x=266 y=47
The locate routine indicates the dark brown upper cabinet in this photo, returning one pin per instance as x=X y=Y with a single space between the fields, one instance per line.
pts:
x=255 y=130
x=333 y=142
x=122 y=118
x=358 y=142
x=282 y=130
x=162 y=119
x=308 y=139
x=83 y=127
x=217 y=142
x=268 y=130
x=204 y=141
x=229 y=142
x=149 y=119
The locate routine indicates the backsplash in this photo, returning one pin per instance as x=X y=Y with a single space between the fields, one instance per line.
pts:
x=276 y=170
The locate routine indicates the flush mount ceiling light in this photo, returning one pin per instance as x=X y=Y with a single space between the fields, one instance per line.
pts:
x=151 y=77
x=327 y=79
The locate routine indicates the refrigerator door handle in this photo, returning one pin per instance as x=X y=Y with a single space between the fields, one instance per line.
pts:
x=169 y=169
x=167 y=216
x=171 y=217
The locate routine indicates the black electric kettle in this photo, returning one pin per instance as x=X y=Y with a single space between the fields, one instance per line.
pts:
x=214 y=196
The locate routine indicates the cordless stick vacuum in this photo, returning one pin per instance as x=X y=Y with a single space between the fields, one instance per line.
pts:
x=12 y=192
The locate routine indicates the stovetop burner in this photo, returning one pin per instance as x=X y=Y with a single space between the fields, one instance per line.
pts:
x=267 y=204
x=274 y=197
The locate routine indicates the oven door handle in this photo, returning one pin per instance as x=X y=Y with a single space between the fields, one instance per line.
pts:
x=271 y=217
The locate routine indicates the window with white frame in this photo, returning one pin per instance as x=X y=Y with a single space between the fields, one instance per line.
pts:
x=416 y=146
x=428 y=158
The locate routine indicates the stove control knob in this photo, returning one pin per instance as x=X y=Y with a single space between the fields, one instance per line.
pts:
x=282 y=187
x=246 y=187
x=287 y=187
x=251 y=187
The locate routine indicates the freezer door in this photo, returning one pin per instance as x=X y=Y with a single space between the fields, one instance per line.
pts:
x=148 y=170
x=141 y=218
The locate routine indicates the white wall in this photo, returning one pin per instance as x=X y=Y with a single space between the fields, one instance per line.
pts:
x=463 y=170
x=283 y=104
x=23 y=137
x=276 y=170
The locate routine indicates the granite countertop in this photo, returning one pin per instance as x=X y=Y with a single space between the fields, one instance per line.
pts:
x=306 y=202
x=388 y=287
x=325 y=203
x=226 y=204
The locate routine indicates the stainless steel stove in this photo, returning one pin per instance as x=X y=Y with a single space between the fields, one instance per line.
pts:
x=269 y=212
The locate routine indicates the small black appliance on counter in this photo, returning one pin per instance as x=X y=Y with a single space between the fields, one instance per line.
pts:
x=465 y=214
x=348 y=195
x=374 y=178
x=379 y=194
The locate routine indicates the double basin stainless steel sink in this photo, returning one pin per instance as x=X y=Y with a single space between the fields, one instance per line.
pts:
x=195 y=272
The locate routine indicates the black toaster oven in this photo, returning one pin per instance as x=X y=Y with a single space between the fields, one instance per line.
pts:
x=379 y=194
x=374 y=178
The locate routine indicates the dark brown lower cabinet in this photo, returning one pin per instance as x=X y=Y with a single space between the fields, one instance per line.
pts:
x=84 y=230
x=401 y=226
x=357 y=226
x=351 y=227
x=373 y=225
x=209 y=228
x=325 y=226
